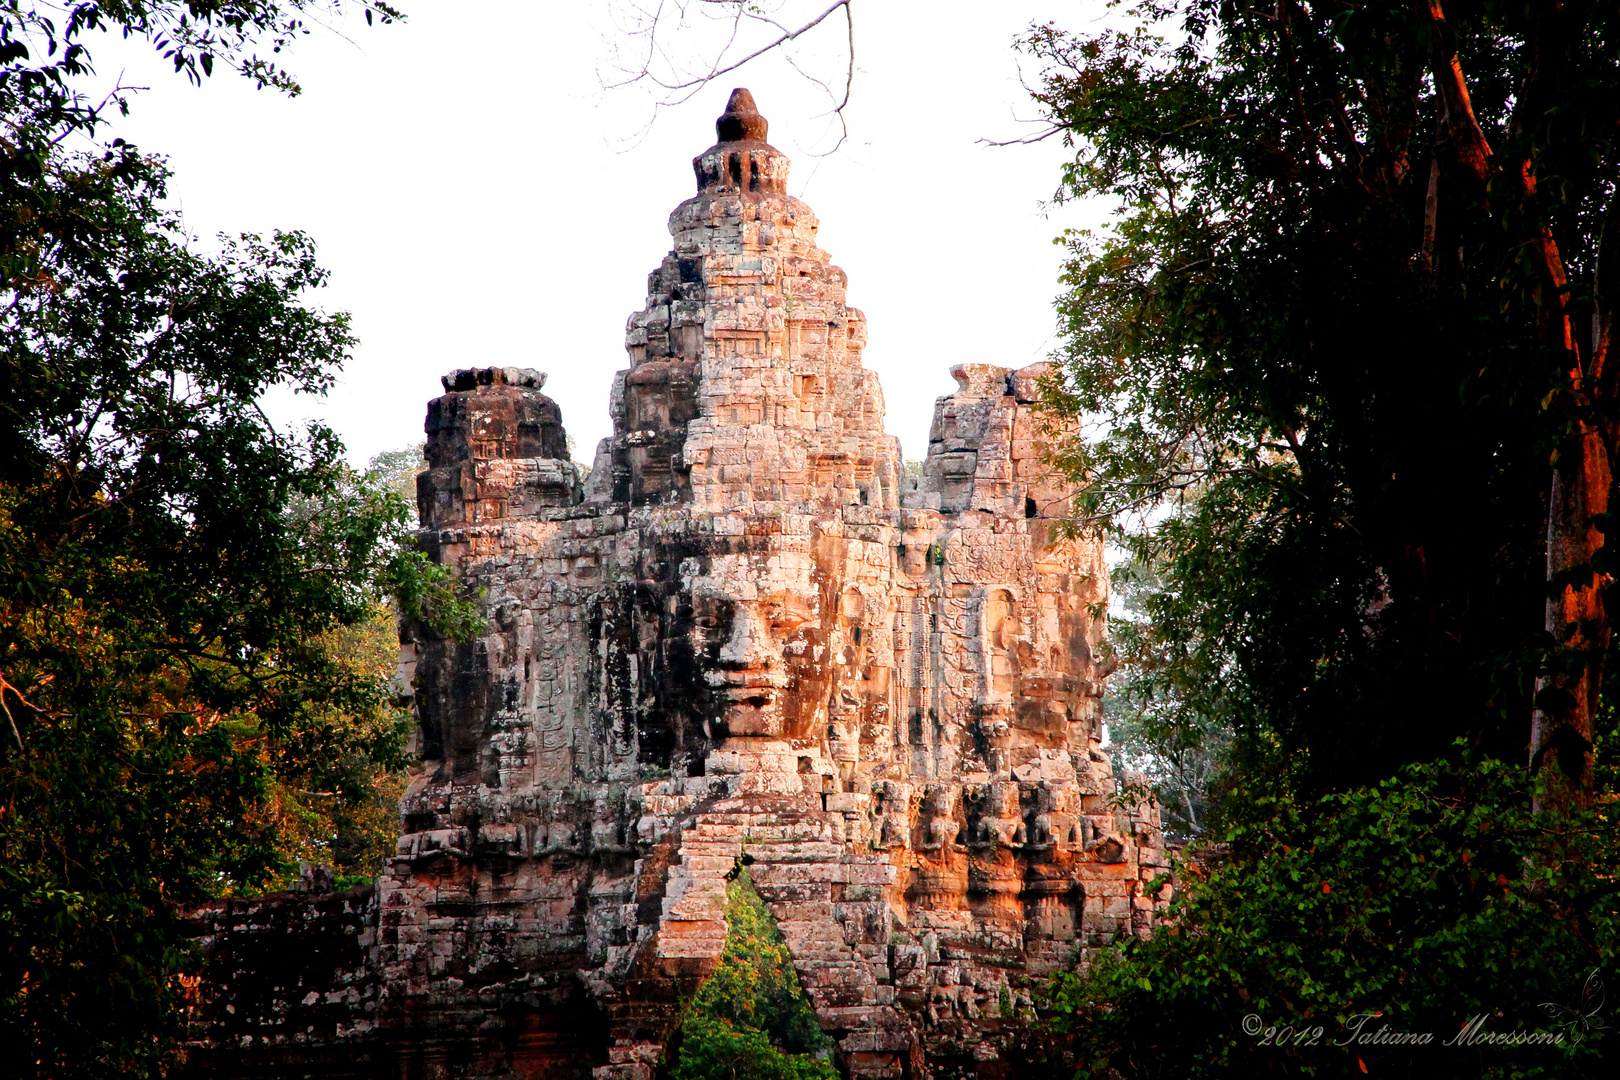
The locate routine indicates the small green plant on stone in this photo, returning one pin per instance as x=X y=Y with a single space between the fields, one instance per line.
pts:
x=751 y=1020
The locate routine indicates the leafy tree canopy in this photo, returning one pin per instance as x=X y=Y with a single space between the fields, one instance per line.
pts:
x=750 y=1020
x=192 y=684
x=1321 y=355
x=1344 y=352
x=178 y=577
x=1401 y=907
x=342 y=808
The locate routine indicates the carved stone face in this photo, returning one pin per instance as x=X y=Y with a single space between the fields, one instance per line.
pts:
x=762 y=643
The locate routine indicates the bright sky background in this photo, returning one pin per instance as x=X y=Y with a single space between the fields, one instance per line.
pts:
x=481 y=200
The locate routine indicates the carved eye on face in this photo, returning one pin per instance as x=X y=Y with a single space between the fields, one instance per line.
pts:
x=708 y=616
x=789 y=616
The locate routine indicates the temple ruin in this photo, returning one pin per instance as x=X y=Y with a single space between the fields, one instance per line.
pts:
x=742 y=633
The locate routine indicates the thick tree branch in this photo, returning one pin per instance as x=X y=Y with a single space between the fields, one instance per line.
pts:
x=1576 y=618
x=1605 y=376
x=1459 y=128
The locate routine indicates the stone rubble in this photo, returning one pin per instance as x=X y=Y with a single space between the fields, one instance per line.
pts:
x=744 y=634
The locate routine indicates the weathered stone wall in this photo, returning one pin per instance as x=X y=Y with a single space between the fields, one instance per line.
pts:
x=745 y=635
x=290 y=987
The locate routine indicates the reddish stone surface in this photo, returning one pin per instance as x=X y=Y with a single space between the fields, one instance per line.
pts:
x=745 y=634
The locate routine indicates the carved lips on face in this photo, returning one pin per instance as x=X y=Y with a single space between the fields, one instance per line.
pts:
x=754 y=674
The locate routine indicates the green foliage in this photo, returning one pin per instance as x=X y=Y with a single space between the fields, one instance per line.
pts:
x=340 y=807
x=1325 y=415
x=353 y=825
x=182 y=590
x=720 y=1050
x=1412 y=905
x=1154 y=727
x=1321 y=396
x=396 y=470
x=189 y=597
x=750 y=1020
x=44 y=46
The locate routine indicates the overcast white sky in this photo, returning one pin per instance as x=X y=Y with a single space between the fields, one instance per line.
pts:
x=480 y=200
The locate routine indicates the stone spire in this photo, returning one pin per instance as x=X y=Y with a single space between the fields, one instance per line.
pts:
x=741 y=121
x=741 y=162
x=745 y=382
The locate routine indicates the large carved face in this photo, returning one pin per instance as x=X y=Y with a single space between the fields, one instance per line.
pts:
x=760 y=636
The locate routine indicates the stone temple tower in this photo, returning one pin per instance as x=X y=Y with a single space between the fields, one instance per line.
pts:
x=745 y=383
x=743 y=634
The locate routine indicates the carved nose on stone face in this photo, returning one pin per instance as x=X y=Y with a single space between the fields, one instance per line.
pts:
x=751 y=647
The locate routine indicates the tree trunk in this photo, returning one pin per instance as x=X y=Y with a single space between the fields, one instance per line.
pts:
x=1561 y=726
x=1567 y=696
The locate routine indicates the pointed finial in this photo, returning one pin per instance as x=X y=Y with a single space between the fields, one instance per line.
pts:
x=741 y=120
x=741 y=162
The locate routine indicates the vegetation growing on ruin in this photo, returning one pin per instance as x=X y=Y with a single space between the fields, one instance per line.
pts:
x=751 y=1020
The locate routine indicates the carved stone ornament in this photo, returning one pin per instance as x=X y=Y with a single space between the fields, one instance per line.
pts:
x=743 y=633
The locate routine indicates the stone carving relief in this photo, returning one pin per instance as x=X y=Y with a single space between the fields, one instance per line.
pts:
x=745 y=634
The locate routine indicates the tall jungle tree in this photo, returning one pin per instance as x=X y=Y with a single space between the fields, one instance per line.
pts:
x=1348 y=345
x=174 y=568
x=1350 y=320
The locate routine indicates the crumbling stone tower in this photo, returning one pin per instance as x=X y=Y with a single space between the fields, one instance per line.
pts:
x=743 y=635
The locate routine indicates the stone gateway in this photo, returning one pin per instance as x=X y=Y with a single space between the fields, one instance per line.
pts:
x=743 y=634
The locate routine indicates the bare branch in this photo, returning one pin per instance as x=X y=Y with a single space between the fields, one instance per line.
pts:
x=787 y=36
x=1051 y=130
x=659 y=66
x=5 y=686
